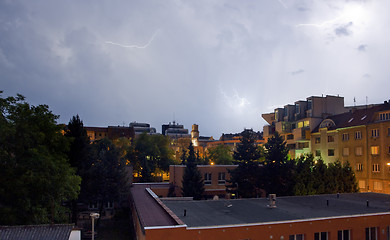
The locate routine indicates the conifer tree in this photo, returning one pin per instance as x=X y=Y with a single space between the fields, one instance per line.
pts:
x=245 y=178
x=193 y=185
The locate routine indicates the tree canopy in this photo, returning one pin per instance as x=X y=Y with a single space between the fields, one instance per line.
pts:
x=35 y=174
x=220 y=155
x=244 y=180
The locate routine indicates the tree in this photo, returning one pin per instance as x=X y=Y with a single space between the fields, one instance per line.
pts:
x=78 y=156
x=221 y=155
x=106 y=177
x=193 y=185
x=278 y=174
x=35 y=174
x=151 y=154
x=245 y=178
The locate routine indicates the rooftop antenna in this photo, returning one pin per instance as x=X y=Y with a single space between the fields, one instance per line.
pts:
x=354 y=101
x=174 y=118
x=366 y=101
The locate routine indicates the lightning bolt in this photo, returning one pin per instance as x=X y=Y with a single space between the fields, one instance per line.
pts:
x=134 y=46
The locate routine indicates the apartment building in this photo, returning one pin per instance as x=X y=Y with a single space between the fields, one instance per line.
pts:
x=361 y=137
x=295 y=122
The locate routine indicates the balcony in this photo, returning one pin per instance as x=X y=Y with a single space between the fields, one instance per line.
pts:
x=301 y=134
x=283 y=127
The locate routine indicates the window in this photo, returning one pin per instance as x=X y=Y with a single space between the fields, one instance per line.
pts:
x=300 y=124
x=378 y=186
x=93 y=205
x=372 y=233
x=309 y=104
x=108 y=205
x=343 y=235
x=321 y=236
x=374 y=150
x=359 y=167
x=207 y=179
x=317 y=140
x=306 y=123
x=297 y=108
x=290 y=136
x=358 y=151
x=221 y=178
x=362 y=184
x=384 y=116
x=330 y=138
x=388 y=132
x=358 y=135
x=376 y=167
x=346 y=151
x=296 y=237
x=345 y=136
x=330 y=152
x=375 y=132
x=318 y=153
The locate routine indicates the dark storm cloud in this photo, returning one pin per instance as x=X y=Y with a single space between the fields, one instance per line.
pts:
x=362 y=48
x=214 y=63
x=344 y=30
x=300 y=71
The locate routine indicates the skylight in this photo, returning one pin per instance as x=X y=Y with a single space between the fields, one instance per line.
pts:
x=364 y=117
x=350 y=120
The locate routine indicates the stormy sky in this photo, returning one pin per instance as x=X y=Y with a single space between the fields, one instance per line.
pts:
x=216 y=63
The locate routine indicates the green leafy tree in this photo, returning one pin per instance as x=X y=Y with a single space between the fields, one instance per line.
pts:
x=107 y=176
x=35 y=174
x=220 y=155
x=278 y=171
x=193 y=185
x=244 y=180
x=151 y=154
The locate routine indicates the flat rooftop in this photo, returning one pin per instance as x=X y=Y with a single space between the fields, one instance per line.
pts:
x=210 y=213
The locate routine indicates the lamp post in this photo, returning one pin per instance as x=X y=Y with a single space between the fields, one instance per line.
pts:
x=93 y=217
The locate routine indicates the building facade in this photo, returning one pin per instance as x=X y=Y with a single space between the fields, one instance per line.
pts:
x=294 y=122
x=362 y=138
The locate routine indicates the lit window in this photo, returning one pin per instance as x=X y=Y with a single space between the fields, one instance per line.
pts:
x=345 y=136
x=378 y=186
x=207 y=179
x=321 y=236
x=358 y=135
x=300 y=124
x=359 y=167
x=376 y=168
x=375 y=132
x=362 y=184
x=345 y=152
x=296 y=237
x=343 y=235
x=306 y=123
x=374 y=150
x=372 y=233
x=330 y=138
x=330 y=152
x=317 y=140
x=358 y=151
x=221 y=178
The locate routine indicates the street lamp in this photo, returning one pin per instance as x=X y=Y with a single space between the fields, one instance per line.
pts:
x=93 y=217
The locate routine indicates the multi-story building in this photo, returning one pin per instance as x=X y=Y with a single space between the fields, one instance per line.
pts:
x=361 y=137
x=110 y=132
x=139 y=128
x=295 y=122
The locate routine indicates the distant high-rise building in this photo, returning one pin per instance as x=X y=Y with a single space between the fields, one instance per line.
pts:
x=140 y=128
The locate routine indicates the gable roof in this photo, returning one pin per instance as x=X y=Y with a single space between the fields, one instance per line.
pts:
x=36 y=232
x=355 y=117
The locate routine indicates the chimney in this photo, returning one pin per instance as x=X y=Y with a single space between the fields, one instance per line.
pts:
x=272 y=200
